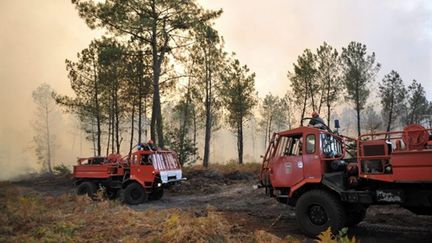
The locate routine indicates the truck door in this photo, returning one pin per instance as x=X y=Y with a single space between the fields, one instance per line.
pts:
x=311 y=159
x=286 y=168
x=141 y=170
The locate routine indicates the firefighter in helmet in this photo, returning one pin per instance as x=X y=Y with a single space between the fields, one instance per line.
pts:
x=316 y=121
x=151 y=145
x=147 y=146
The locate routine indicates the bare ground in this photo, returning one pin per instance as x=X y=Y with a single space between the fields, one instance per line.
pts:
x=233 y=195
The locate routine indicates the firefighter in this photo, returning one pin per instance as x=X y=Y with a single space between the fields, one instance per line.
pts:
x=151 y=145
x=147 y=146
x=316 y=121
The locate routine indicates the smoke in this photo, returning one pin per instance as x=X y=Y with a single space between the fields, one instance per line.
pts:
x=269 y=35
x=37 y=36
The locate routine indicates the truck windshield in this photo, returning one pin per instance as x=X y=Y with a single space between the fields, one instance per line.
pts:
x=331 y=146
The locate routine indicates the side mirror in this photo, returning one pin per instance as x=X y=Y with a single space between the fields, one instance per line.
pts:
x=336 y=123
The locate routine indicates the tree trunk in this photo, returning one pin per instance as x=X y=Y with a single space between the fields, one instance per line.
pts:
x=208 y=122
x=97 y=110
x=240 y=141
x=195 y=129
x=183 y=124
x=390 y=117
x=328 y=103
x=93 y=138
x=48 y=140
x=309 y=84
x=358 y=122
x=140 y=93
x=303 y=110
x=157 y=62
x=132 y=128
x=109 y=135
x=358 y=111
x=112 y=126
x=117 y=122
x=266 y=135
x=269 y=127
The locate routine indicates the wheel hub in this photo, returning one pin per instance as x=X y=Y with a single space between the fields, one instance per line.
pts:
x=135 y=194
x=317 y=215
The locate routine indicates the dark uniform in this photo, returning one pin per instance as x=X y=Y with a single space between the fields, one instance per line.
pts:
x=316 y=121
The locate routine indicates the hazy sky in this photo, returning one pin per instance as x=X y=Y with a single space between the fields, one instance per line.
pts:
x=37 y=36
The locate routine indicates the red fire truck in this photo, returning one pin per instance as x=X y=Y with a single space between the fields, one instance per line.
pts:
x=135 y=179
x=331 y=179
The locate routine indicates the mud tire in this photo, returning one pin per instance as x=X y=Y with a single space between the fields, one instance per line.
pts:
x=87 y=188
x=133 y=194
x=316 y=210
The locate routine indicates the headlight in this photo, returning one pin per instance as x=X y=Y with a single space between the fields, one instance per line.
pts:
x=159 y=184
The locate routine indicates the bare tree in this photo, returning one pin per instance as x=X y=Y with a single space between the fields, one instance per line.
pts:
x=44 y=138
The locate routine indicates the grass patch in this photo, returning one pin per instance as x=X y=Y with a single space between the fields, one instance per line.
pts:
x=29 y=217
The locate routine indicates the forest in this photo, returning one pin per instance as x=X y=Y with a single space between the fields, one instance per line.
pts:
x=161 y=72
x=177 y=126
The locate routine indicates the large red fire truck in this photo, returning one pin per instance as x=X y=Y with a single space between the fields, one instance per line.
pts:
x=135 y=179
x=331 y=179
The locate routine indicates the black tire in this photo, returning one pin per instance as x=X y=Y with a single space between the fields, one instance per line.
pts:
x=111 y=193
x=87 y=188
x=156 y=194
x=133 y=194
x=316 y=210
x=355 y=214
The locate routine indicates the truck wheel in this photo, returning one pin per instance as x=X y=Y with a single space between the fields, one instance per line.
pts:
x=355 y=214
x=111 y=193
x=88 y=188
x=133 y=194
x=156 y=194
x=317 y=210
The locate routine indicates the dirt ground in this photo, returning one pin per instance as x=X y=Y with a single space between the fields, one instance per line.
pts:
x=233 y=195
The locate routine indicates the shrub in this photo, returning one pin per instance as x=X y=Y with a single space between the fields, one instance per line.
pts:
x=62 y=170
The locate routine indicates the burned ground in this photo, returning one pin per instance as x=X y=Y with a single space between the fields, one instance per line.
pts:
x=221 y=198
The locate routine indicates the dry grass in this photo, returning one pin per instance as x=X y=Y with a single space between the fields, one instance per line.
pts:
x=228 y=168
x=29 y=217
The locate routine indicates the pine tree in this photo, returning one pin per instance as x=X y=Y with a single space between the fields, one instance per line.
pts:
x=85 y=82
x=160 y=25
x=359 y=70
x=304 y=83
x=417 y=104
x=206 y=61
x=238 y=97
x=329 y=78
x=273 y=115
x=392 y=93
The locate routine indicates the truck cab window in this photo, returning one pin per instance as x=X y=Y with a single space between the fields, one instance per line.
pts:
x=134 y=159
x=289 y=146
x=310 y=144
